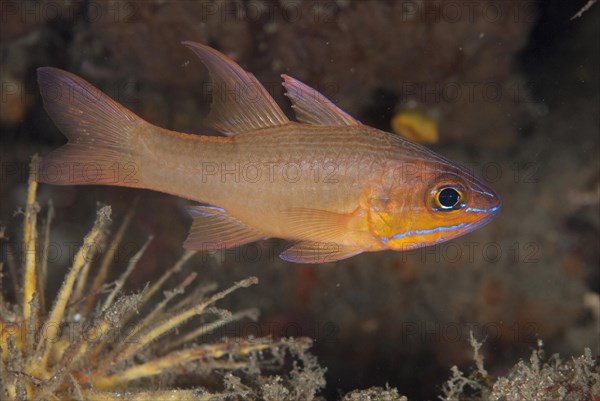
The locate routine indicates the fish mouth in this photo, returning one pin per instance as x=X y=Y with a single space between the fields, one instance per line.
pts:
x=486 y=215
x=491 y=214
x=487 y=204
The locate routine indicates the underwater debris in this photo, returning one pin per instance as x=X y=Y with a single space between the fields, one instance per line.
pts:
x=375 y=394
x=576 y=379
x=584 y=9
x=94 y=342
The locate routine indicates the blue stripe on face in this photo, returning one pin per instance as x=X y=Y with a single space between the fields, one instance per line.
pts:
x=477 y=210
x=426 y=231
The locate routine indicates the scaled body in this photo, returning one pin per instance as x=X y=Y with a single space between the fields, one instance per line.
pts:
x=331 y=185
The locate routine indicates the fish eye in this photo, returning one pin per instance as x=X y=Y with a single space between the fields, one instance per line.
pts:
x=449 y=198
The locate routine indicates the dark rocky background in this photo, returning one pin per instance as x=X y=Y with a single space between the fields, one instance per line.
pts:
x=513 y=87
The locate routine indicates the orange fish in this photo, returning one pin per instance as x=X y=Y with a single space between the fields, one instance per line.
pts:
x=329 y=184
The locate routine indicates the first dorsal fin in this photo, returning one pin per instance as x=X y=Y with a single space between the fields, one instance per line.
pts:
x=311 y=107
x=240 y=103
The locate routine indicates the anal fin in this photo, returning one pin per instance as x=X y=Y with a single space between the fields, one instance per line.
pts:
x=213 y=228
x=318 y=252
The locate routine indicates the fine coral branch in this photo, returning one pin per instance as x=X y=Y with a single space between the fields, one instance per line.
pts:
x=174 y=269
x=89 y=243
x=163 y=395
x=151 y=317
x=161 y=328
x=204 y=329
x=159 y=365
x=107 y=259
x=29 y=245
x=43 y=270
x=130 y=267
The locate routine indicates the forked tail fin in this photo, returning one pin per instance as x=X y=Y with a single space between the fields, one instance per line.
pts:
x=99 y=130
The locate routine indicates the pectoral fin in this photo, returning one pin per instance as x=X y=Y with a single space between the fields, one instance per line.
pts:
x=322 y=233
x=316 y=224
x=213 y=228
x=318 y=252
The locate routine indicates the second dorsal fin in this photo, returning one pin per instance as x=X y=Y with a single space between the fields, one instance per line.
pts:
x=311 y=107
x=240 y=103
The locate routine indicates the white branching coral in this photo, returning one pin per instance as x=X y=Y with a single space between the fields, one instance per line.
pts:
x=553 y=379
